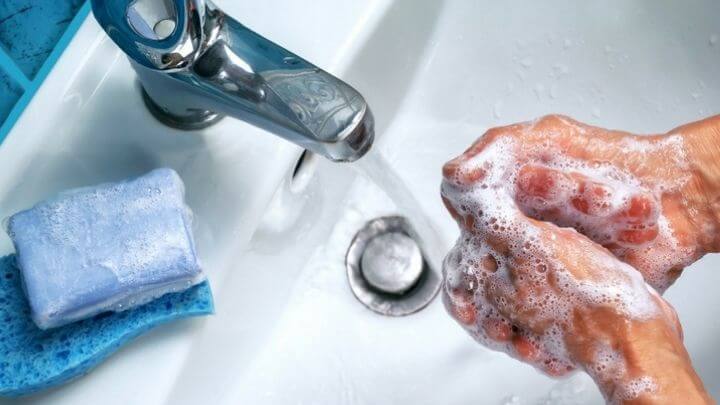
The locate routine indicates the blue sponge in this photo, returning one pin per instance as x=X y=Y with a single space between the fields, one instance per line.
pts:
x=32 y=359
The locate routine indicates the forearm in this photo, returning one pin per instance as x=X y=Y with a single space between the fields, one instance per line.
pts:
x=654 y=351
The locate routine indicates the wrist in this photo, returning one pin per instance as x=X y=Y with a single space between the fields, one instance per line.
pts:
x=702 y=144
x=637 y=361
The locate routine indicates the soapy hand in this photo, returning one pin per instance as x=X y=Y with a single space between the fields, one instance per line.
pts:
x=556 y=298
x=518 y=283
x=560 y=302
x=638 y=196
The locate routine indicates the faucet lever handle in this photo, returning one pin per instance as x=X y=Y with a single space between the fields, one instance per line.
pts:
x=158 y=34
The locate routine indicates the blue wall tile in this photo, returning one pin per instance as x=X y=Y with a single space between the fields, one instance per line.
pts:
x=10 y=92
x=29 y=29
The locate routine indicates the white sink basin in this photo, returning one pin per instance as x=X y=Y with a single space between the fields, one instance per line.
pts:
x=437 y=74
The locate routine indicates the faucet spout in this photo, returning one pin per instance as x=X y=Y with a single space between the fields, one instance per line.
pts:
x=196 y=65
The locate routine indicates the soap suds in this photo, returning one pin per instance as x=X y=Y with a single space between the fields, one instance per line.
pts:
x=633 y=389
x=498 y=238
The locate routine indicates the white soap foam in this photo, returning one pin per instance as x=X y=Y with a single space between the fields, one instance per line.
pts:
x=633 y=389
x=607 y=194
x=500 y=249
x=608 y=365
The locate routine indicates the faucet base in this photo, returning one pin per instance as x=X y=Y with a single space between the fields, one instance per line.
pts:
x=194 y=120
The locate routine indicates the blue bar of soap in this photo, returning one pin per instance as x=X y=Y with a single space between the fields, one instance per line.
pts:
x=105 y=248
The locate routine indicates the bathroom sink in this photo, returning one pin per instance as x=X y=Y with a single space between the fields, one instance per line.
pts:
x=273 y=228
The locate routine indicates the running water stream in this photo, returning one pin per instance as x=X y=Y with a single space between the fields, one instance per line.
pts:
x=376 y=168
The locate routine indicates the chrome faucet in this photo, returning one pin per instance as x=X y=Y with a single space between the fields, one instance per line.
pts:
x=196 y=65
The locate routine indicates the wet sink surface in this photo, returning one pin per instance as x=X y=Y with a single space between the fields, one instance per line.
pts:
x=437 y=75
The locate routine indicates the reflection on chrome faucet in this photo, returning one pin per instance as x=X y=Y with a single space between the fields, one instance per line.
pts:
x=197 y=65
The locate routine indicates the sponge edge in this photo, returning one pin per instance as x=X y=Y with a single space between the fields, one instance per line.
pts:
x=108 y=247
x=32 y=359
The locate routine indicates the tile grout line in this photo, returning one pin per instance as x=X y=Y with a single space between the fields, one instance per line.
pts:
x=45 y=69
x=12 y=69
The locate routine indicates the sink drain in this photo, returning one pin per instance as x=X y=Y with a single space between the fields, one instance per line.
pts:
x=387 y=270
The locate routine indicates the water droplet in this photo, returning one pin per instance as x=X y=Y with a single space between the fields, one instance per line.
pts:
x=527 y=61
x=521 y=75
x=291 y=60
x=511 y=400
x=521 y=43
x=554 y=91
x=714 y=38
x=497 y=109
x=510 y=87
x=560 y=69
x=596 y=112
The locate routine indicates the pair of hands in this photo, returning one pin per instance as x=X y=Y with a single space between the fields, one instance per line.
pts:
x=561 y=223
